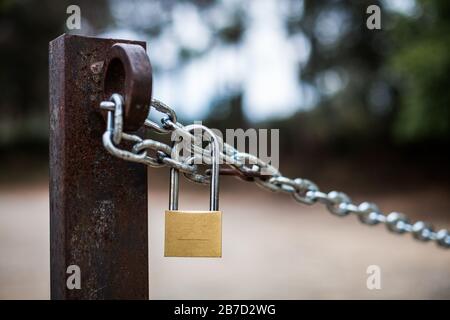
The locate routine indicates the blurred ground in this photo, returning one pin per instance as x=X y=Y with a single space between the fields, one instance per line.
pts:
x=273 y=248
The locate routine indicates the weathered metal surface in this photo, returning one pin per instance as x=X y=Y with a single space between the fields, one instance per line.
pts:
x=127 y=72
x=98 y=203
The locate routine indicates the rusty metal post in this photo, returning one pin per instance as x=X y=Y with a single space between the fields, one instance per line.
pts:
x=98 y=203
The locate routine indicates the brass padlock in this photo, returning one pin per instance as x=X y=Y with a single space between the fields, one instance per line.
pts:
x=194 y=233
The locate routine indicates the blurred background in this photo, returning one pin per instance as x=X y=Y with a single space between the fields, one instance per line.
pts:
x=362 y=111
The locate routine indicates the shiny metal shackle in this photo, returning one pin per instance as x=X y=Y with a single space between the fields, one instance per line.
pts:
x=215 y=166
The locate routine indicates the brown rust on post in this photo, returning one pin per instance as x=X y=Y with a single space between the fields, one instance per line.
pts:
x=98 y=203
x=127 y=72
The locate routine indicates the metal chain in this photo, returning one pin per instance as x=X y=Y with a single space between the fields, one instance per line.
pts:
x=246 y=167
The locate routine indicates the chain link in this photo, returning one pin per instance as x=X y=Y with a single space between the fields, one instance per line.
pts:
x=244 y=166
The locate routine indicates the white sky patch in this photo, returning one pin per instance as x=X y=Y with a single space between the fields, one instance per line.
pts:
x=330 y=26
x=406 y=7
x=301 y=46
x=331 y=81
x=264 y=65
x=163 y=51
x=139 y=13
x=196 y=85
x=229 y=69
x=189 y=29
x=270 y=86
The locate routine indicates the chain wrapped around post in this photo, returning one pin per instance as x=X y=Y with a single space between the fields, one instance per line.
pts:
x=246 y=167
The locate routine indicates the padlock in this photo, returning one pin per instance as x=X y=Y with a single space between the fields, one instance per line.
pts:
x=194 y=233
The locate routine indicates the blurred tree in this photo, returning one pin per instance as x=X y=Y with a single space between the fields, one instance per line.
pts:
x=371 y=85
x=421 y=62
x=345 y=67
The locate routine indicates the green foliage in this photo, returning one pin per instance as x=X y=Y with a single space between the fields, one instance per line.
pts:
x=422 y=64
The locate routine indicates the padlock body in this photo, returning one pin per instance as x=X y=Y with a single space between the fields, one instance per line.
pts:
x=193 y=234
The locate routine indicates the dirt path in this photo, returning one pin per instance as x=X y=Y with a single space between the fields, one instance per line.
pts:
x=273 y=248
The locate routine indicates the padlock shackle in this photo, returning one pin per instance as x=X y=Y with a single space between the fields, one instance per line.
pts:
x=174 y=189
x=215 y=167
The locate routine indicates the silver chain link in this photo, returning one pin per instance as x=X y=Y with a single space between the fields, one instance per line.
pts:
x=247 y=167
